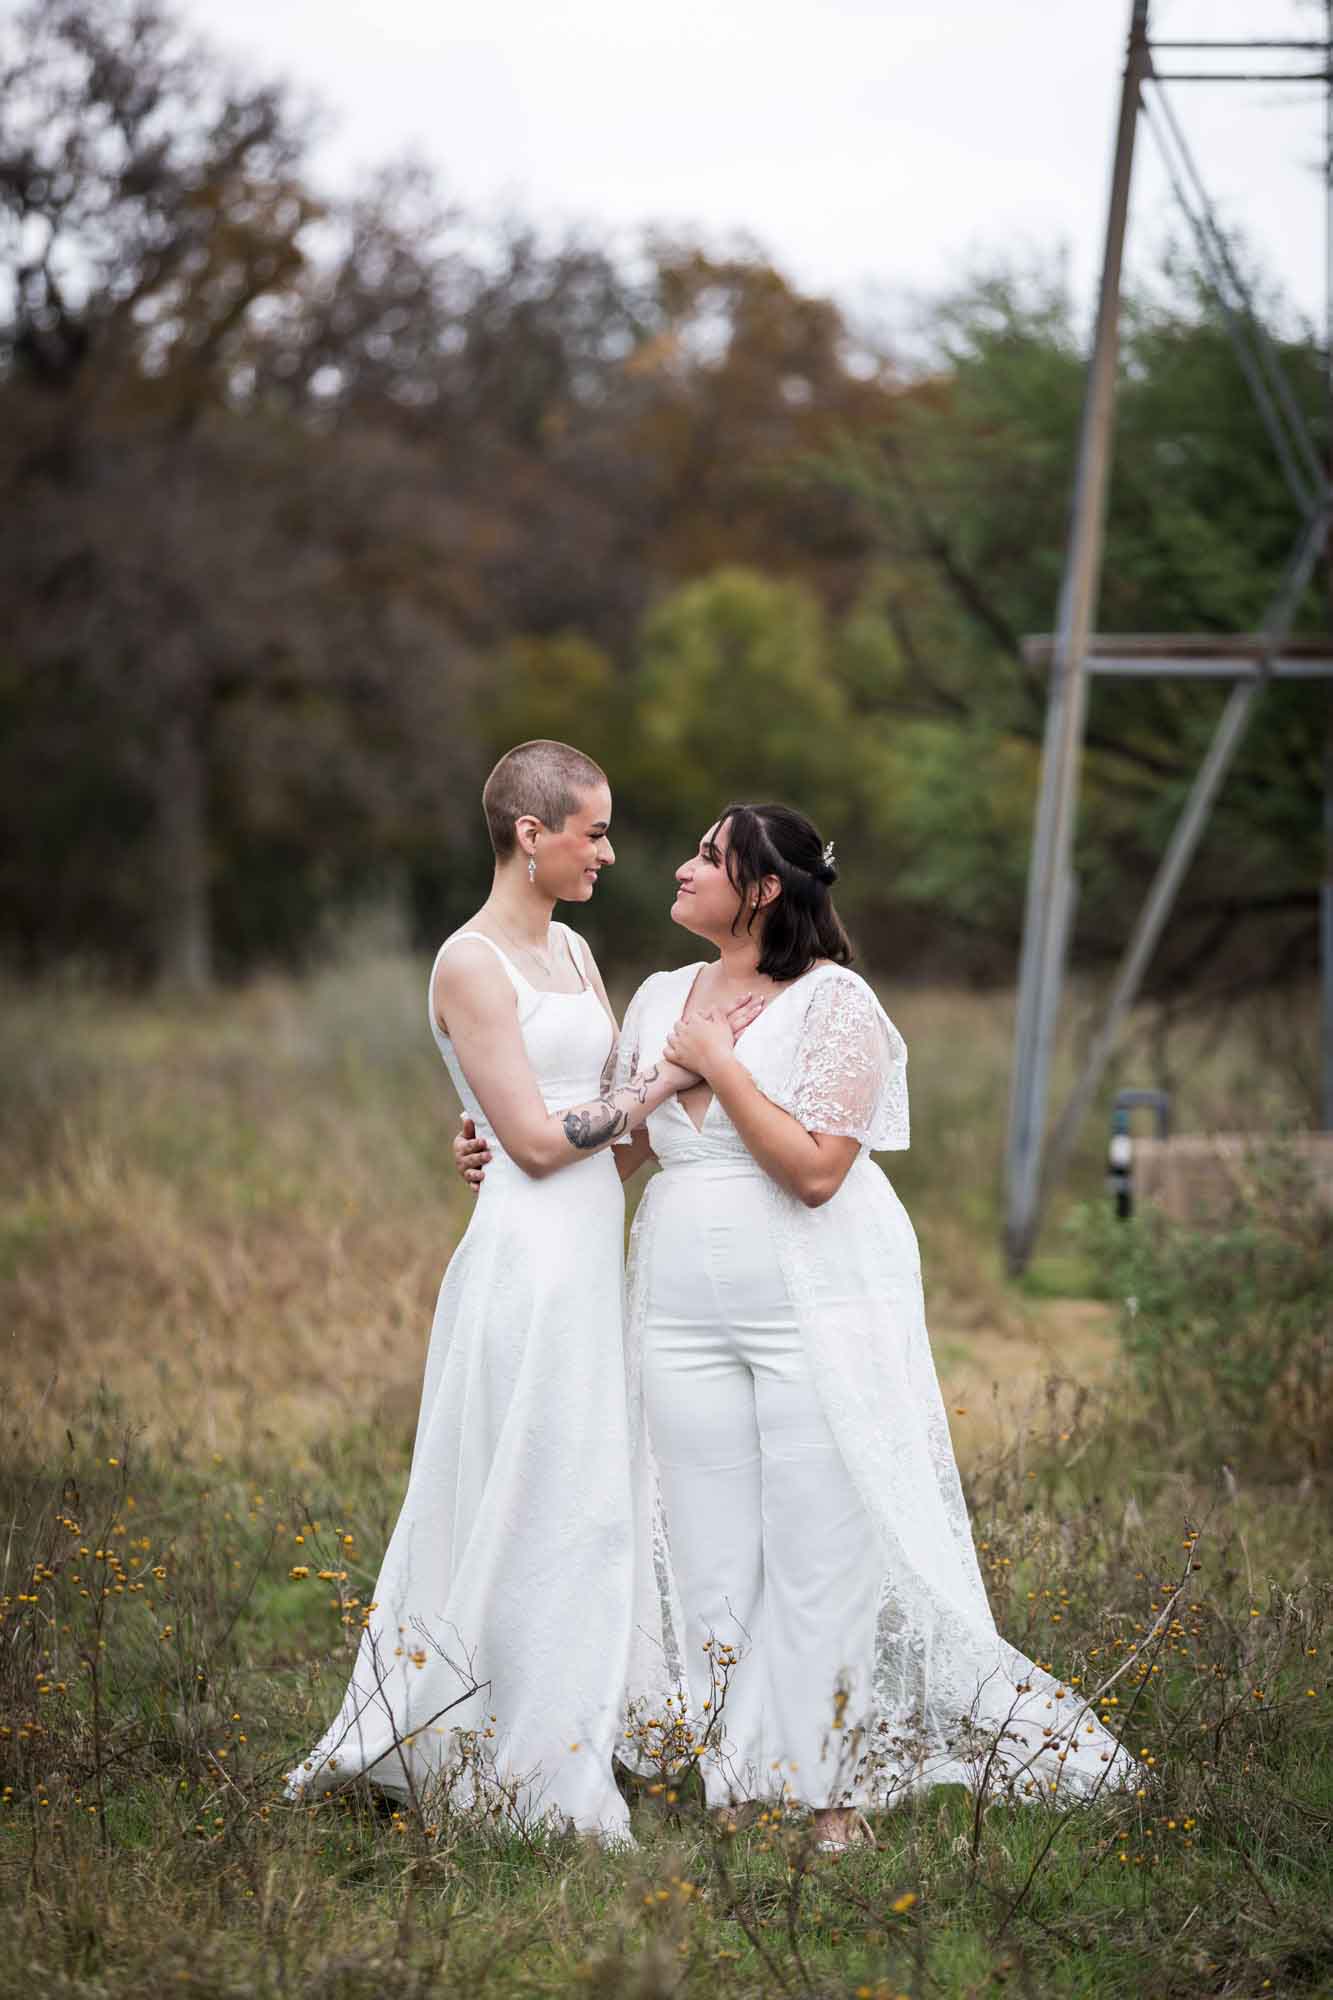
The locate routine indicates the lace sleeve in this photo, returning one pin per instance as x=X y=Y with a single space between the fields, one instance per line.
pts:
x=849 y=1075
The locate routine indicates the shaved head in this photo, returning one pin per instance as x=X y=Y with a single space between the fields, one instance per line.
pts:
x=542 y=780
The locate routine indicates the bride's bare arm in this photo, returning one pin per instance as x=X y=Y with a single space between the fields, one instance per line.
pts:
x=472 y=1155
x=475 y=1004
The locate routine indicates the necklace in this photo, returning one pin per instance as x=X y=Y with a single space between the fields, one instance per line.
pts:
x=530 y=950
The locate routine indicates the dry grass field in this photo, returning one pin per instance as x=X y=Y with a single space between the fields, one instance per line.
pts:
x=221 y=1230
x=233 y=1215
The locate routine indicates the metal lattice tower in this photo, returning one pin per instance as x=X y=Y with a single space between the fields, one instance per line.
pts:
x=1034 y=1162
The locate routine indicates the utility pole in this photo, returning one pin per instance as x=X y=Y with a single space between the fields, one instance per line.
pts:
x=1034 y=1164
x=1051 y=886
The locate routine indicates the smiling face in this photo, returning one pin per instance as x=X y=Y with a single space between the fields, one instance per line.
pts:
x=569 y=862
x=706 y=902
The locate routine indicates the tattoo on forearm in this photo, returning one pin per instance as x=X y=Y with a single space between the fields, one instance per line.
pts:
x=608 y=1075
x=593 y=1126
x=639 y=1086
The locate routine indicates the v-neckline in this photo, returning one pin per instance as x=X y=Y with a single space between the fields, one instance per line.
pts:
x=712 y=1095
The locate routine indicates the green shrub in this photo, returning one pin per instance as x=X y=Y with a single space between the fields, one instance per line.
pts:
x=1229 y=1327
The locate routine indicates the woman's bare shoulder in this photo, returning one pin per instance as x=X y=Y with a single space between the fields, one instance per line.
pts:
x=470 y=970
x=465 y=952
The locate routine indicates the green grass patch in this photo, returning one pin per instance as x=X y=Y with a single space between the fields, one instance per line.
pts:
x=145 y=1845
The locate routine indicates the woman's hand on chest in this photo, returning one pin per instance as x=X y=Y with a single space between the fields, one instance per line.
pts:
x=711 y=1031
x=703 y=1042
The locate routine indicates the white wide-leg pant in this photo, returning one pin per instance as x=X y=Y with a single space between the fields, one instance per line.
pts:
x=772 y=1550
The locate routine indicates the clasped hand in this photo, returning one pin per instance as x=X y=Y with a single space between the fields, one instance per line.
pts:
x=719 y=1035
x=702 y=1042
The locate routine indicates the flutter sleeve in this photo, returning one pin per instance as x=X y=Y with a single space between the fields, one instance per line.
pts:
x=849 y=1074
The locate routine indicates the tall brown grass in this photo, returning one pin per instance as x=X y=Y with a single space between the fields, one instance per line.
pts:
x=233 y=1214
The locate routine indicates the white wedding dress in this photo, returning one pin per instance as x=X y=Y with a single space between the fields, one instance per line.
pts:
x=944 y=1683
x=510 y=1567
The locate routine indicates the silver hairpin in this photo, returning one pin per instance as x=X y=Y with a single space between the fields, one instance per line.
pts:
x=828 y=855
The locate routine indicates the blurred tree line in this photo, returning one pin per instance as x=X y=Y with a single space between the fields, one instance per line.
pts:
x=313 y=507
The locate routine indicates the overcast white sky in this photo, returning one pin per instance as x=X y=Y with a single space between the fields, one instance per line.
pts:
x=874 y=147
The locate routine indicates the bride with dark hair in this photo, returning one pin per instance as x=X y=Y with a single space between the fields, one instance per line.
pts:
x=798 y=1500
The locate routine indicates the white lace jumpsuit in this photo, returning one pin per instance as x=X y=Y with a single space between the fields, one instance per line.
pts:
x=774 y=1554
x=799 y=1500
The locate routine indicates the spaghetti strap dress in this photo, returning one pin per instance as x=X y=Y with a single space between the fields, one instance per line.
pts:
x=494 y=1651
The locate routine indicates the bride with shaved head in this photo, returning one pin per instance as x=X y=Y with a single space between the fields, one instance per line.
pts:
x=495 y=1652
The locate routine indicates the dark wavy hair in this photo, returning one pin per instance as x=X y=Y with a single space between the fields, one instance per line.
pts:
x=800 y=924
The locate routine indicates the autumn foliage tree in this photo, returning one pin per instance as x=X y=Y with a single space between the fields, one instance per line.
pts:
x=222 y=624
x=314 y=506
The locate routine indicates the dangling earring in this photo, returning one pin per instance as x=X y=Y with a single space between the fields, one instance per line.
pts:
x=532 y=868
